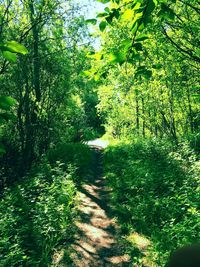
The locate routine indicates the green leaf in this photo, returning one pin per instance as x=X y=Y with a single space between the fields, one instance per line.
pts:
x=109 y=18
x=128 y=14
x=137 y=17
x=15 y=47
x=155 y=2
x=9 y=56
x=96 y=56
x=102 y=15
x=117 y=57
x=126 y=44
x=102 y=26
x=116 y=13
x=141 y=37
x=91 y=21
x=6 y=102
x=107 y=9
x=86 y=73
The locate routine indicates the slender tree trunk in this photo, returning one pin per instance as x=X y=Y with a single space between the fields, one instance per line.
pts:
x=190 y=109
x=36 y=60
x=171 y=107
x=144 y=119
x=137 y=111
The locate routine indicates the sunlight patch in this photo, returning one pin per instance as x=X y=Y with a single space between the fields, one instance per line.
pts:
x=98 y=143
x=140 y=241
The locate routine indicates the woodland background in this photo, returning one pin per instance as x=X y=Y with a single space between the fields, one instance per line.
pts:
x=130 y=74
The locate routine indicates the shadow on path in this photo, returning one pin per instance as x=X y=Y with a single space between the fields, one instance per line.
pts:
x=97 y=240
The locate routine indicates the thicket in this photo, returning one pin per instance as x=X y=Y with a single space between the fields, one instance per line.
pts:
x=45 y=103
x=155 y=192
x=37 y=213
x=148 y=68
x=44 y=99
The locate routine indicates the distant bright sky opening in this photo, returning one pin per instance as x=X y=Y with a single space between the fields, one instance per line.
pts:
x=90 y=9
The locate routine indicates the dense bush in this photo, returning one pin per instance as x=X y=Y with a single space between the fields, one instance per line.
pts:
x=35 y=215
x=72 y=154
x=155 y=191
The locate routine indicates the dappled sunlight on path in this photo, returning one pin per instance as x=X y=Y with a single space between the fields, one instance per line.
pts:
x=98 y=239
x=96 y=243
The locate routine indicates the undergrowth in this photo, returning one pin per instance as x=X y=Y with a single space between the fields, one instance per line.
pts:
x=37 y=213
x=75 y=155
x=155 y=192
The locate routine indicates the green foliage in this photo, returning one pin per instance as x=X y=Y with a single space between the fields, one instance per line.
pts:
x=102 y=26
x=11 y=48
x=74 y=155
x=6 y=104
x=143 y=81
x=9 y=56
x=155 y=191
x=92 y=21
x=35 y=215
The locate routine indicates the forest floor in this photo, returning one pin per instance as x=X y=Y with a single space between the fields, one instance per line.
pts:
x=97 y=239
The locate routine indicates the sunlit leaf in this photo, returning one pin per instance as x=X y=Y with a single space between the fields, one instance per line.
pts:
x=137 y=17
x=86 y=73
x=97 y=56
x=15 y=47
x=126 y=44
x=107 y=9
x=9 y=56
x=128 y=14
x=117 y=57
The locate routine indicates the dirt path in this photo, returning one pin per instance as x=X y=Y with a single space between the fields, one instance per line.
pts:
x=97 y=240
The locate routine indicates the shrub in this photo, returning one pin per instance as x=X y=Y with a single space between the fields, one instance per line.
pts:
x=76 y=154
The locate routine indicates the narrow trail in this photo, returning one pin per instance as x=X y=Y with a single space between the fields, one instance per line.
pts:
x=97 y=240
